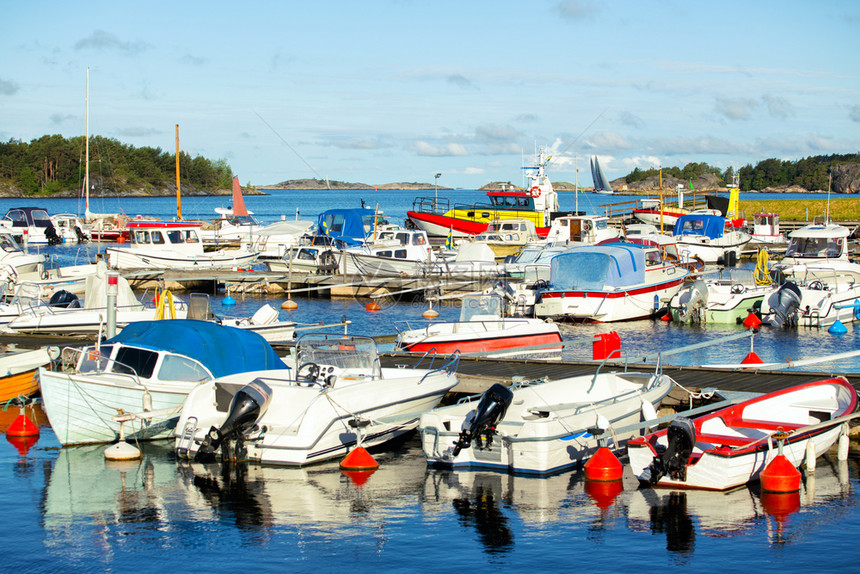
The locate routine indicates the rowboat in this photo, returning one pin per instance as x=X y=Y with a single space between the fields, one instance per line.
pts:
x=18 y=372
x=732 y=446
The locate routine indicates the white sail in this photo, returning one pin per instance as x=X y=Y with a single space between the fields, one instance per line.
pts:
x=601 y=184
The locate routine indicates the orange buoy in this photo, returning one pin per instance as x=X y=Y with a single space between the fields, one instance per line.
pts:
x=358 y=459
x=752 y=359
x=780 y=476
x=22 y=426
x=667 y=317
x=289 y=305
x=430 y=313
x=603 y=466
x=752 y=321
x=372 y=306
x=358 y=477
x=603 y=492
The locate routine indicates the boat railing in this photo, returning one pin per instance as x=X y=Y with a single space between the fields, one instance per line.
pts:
x=430 y=205
x=449 y=366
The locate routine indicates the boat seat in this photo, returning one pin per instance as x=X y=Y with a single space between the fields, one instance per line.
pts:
x=719 y=439
x=764 y=425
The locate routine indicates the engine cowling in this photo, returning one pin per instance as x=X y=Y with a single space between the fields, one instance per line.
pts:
x=787 y=303
x=247 y=407
x=491 y=409
x=673 y=462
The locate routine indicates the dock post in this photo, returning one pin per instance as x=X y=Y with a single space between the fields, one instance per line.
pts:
x=112 y=288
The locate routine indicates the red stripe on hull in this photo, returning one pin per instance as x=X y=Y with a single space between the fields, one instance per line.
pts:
x=614 y=294
x=463 y=226
x=483 y=345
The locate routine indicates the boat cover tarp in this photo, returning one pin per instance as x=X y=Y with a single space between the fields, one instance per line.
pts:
x=223 y=350
x=700 y=224
x=598 y=268
x=352 y=226
x=95 y=291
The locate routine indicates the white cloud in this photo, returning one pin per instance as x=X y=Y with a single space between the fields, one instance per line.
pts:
x=101 y=40
x=7 y=87
x=450 y=149
x=778 y=107
x=735 y=108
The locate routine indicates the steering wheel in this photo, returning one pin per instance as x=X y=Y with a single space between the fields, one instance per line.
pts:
x=313 y=372
x=816 y=286
x=737 y=288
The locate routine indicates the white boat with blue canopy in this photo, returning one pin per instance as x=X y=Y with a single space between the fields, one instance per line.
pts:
x=141 y=377
x=611 y=282
x=705 y=236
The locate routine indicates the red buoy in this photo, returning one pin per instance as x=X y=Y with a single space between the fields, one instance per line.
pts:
x=22 y=426
x=752 y=321
x=780 y=504
x=752 y=359
x=358 y=477
x=667 y=317
x=780 y=476
x=372 y=306
x=22 y=443
x=358 y=459
x=603 y=466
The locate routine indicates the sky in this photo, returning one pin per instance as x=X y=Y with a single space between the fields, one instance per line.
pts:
x=399 y=90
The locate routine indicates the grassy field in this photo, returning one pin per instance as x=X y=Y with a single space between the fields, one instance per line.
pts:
x=842 y=209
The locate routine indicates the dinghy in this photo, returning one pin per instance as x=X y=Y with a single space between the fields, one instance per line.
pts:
x=732 y=446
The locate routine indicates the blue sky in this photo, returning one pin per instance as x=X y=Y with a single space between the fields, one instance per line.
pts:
x=390 y=91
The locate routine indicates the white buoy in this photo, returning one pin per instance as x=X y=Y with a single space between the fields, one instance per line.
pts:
x=810 y=456
x=122 y=450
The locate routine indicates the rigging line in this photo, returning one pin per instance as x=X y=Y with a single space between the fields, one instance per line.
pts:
x=582 y=133
x=291 y=148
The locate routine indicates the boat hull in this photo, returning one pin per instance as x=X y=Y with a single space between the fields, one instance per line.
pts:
x=500 y=337
x=122 y=258
x=459 y=224
x=20 y=385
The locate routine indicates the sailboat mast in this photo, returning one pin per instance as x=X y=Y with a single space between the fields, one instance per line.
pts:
x=87 y=213
x=178 y=199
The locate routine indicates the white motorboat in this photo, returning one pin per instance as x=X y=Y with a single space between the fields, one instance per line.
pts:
x=540 y=427
x=765 y=230
x=483 y=328
x=707 y=237
x=14 y=262
x=574 y=230
x=610 y=282
x=337 y=397
x=732 y=446
x=727 y=297
x=31 y=225
x=815 y=243
x=394 y=253
x=173 y=245
x=64 y=313
x=141 y=377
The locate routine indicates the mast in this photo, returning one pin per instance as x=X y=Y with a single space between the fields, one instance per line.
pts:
x=178 y=199
x=87 y=213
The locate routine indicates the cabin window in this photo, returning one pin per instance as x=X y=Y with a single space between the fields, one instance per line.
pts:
x=305 y=255
x=191 y=236
x=333 y=223
x=141 y=237
x=400 y=254
x=369 y=223
x=402 y=238
x=386 y=253
x=174 y=236
x=131 y=361
x=418 y=239
x=18 y=217
x=41 y=218
x=525 y=202
x=178 y=368
x=93 y=361
x=157 y=238
x=600 y=224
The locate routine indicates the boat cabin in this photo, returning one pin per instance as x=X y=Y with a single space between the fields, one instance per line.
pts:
x=149 y=234
x=766 y=224
x=583 y=229
x=509 y=231
x=700 y=224
x=351 y=226
x=818 y=241
x=31 y=223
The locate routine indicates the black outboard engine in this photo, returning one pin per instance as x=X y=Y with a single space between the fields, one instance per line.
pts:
x=64 y=299
x=248 y=406
x=82 y=237
x=52 y=236
x=682 y=436
x=787 y=303
x=490 y=410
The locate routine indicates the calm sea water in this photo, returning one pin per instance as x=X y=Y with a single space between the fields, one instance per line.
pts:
x=68 y=509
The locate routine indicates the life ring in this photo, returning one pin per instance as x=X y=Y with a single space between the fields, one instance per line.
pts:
x=535 y=192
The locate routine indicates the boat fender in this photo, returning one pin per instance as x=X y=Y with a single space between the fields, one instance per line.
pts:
x=247 y=407
x=491 y=409
x=673 y=461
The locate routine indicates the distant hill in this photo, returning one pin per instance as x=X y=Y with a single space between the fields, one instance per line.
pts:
x=343 y=185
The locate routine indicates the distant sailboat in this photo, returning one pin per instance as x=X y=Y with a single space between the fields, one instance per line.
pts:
x=601 y=184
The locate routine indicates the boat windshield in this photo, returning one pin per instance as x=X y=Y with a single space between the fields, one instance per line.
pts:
x=8 y=244
x=479 y=307
x=814 y=247
x=345 y=352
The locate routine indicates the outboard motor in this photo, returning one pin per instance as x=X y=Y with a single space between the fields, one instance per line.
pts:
x=248 y=406
x=64 y=299
x=787 y=303
x=691 y=300
x=82 y=237
x=52 y=236
x=490 y=410
x=682 y=436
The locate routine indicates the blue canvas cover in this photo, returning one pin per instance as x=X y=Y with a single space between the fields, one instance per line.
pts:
x=700 y=224
x=223 y=350
x=598 y=268
x=352 y=226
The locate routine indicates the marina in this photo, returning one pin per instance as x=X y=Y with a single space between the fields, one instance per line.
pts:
x=319 y=516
